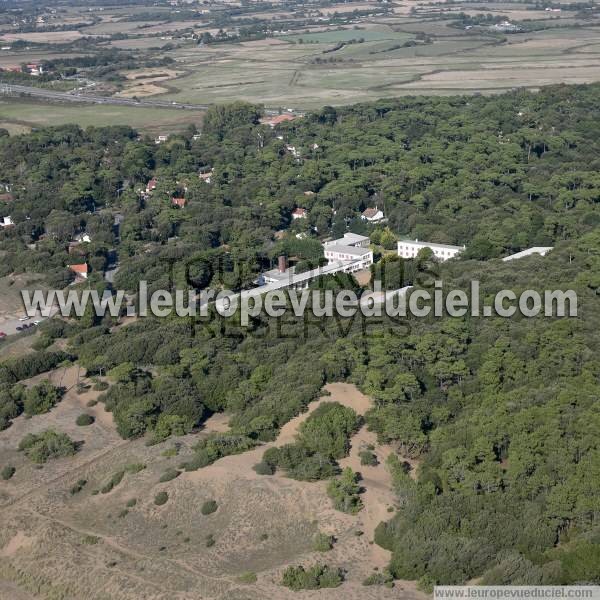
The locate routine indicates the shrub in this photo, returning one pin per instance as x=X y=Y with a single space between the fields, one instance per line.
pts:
x=7 y=472
x=247 y=577
x=131 y=502
x=344 y=491
x=91 y=403
x=78 y=486
x=100 y=386
x=114 y=481
x=41 y=398
x=210 y=540
x=379 y=578
x=216 y=446
x=40 y=447
x=264 y=468
x=323 y=542
x=161 y=498
x=368 y=458
x=133 y=468
x=313 y=578
x=209 y=507
x=84 y=419
x=123 y=513
x=169 y=474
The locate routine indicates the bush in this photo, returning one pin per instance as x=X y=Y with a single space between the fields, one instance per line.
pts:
x=133 y=468
x=210 y=540
x=84 y=420
x=40 y=447
x=313 y=578
x=114 y=481
x=247 y=577
x=379 y=578
x=78 y=486
x=323 y=542
x=131 y=503
x=41 y=398
x=7 y=472
x=100 y=386
x=264 y=468
x=368 y=458
x=209 y=507
x=216 y=446
x=344 y=491
x=161 y=498
x=169 y=474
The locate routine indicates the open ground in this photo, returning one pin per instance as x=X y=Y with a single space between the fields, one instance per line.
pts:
x=262 y=524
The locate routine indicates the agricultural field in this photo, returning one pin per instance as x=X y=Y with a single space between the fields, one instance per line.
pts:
x=153 y=121
x=308 y=56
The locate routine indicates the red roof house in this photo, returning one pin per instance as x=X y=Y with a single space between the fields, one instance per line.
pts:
x=81 y=270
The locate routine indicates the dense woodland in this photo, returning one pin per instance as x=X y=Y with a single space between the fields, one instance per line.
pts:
x=501 y=415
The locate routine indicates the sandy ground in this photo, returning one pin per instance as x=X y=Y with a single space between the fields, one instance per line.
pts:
x=46 y=525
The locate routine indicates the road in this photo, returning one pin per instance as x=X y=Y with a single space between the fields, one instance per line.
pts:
x=6 y=88
x=91 y=99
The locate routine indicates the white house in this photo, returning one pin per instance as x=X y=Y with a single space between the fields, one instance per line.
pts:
x=541 y=250
x=410 y=249
x=83 y=238
x=373 y=215
x=6 y=222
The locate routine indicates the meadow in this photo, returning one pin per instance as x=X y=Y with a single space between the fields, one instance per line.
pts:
x=22 y=114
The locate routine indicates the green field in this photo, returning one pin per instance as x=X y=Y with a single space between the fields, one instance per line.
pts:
x=147 y=120
x=345 y=35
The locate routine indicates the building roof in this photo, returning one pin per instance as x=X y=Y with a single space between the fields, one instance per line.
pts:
x=542 y=250
x=272 y=121
x=369 y=213
x=348 y=239
x=8 y=197
x=299 y=212
x=81 y=269
x=431 y=245
x=181 y=202
x=354 y=250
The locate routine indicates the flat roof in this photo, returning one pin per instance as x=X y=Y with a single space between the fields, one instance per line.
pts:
x=356 y=250
x=542 y=250
x=431 y=245
x=349 y=238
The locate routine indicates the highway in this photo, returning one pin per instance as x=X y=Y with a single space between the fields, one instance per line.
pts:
x=15 y=90
x=6 y=88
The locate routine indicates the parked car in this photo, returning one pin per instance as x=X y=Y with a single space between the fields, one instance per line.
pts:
x=2 y=334
x=19 y=328
x=24 y=318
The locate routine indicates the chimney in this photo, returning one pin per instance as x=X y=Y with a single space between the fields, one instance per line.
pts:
x=282 y=264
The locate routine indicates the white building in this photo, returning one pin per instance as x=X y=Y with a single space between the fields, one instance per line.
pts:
x=351 y=248
x=410 y=249
x=361 y=258
x=6 y=222
x=350 y=239
x=541 y=250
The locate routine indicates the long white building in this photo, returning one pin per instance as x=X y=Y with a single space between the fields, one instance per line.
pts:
x=410 y=249
x=541 y=250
